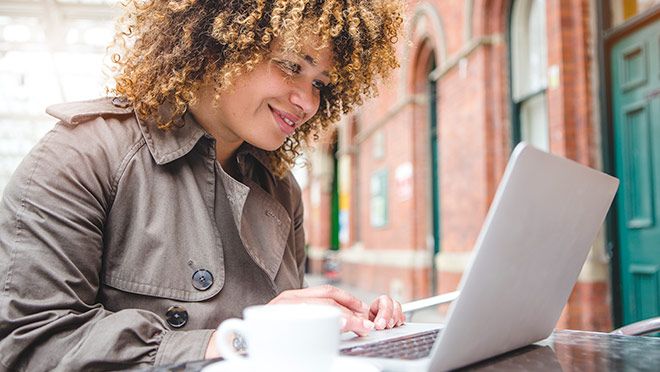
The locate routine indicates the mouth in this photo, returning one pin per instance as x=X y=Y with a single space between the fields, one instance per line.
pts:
x=286 y=122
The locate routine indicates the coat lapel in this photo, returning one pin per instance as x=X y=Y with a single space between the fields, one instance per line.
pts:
x=265 y=236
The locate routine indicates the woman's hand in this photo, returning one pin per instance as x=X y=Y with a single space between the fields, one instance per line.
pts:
x=355 y=313
x=386 y=313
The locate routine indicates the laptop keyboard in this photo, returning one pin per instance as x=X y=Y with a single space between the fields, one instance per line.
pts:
x=408 y=347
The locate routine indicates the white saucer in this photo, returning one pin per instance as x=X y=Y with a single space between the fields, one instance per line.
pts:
x=342 y=364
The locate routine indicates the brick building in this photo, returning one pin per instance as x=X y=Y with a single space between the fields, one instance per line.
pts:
x=403 y=191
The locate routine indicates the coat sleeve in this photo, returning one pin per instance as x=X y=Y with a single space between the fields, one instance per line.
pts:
x=52 y=217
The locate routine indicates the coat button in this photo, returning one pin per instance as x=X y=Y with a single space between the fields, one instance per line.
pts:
x=177 y=316
x=120 y=102
x=202 y=279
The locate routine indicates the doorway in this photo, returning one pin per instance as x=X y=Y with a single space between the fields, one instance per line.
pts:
x=635 y=81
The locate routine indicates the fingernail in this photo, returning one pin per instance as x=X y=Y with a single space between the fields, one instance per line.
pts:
x=365 y=307
x=367 y=324
x=390 y=324
x=342 y=323
x=380 y=324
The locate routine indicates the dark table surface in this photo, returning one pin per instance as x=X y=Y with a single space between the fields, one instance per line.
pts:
x=564 y=350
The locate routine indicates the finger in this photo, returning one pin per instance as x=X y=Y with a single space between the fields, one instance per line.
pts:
x=342 y=297
x=359 y=325
x=398 y=314
x=383 y=308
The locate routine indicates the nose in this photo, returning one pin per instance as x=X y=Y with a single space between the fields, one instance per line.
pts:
x=306 y=99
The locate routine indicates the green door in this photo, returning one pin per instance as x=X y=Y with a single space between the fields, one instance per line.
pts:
x=334 y=203
x=635 y=62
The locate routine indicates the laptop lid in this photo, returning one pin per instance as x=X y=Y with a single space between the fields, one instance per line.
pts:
x=534 y=241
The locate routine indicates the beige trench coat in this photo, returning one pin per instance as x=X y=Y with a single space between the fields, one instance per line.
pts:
x=122 y=245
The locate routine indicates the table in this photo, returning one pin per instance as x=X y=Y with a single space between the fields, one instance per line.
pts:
x=564 y=350
x=567 y=350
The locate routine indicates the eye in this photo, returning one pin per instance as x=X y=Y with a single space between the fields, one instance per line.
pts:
x=318 y=84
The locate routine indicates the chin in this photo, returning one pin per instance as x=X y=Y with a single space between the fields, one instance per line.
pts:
x=267 y=145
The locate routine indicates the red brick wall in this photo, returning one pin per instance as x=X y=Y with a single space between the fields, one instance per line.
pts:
x=570 y=105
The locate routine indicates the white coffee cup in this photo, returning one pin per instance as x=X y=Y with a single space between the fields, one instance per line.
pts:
x=291 y=338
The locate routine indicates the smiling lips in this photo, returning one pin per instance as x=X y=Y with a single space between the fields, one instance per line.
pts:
x=285 y=121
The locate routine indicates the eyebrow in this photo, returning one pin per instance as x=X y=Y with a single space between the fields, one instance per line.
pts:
x=312 y=62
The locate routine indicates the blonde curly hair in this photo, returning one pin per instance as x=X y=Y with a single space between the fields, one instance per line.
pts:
x=164 y=50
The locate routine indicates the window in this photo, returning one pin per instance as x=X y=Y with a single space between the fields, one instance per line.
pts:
x=529 y=56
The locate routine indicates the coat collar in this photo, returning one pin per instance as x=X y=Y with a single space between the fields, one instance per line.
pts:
x=246 y=150
x=167 y=146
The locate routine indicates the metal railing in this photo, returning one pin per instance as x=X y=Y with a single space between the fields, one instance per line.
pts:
x=411 y=307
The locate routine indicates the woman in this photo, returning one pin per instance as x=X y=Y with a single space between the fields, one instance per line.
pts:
x=143 y=220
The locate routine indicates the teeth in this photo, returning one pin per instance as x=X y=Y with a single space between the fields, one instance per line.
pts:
x=288 y=121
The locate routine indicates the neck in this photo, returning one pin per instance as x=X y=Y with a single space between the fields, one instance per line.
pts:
x=225 y=153
x=226 y=142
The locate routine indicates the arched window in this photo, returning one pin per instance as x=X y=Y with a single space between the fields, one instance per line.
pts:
x=529 y=56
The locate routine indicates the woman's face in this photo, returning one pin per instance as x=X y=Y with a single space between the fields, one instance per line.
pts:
x=267 y=104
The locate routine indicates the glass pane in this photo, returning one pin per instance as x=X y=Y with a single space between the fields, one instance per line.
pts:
x=538 y=51
x=529 y=48
x=534 y=122
x=623 y=10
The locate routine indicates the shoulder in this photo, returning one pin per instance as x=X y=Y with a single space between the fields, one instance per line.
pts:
x=97 y=124
x=78 y=112
x=105 y=122
x=86 y=150
x=102 y=133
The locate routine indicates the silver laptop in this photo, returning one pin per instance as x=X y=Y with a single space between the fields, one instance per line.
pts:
x=533 y=243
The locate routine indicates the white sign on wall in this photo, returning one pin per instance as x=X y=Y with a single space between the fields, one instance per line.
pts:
x=378 y=203
x=404 y=181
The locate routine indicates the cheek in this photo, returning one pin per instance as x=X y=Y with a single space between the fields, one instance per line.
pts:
x=317 y=104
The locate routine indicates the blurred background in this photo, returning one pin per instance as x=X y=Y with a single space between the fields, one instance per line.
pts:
x=396 y=193
x=51 y=51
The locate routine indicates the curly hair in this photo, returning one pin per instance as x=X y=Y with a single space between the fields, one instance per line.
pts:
x=164 y=50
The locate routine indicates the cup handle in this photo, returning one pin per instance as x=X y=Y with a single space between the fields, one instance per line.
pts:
x=226 y=330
